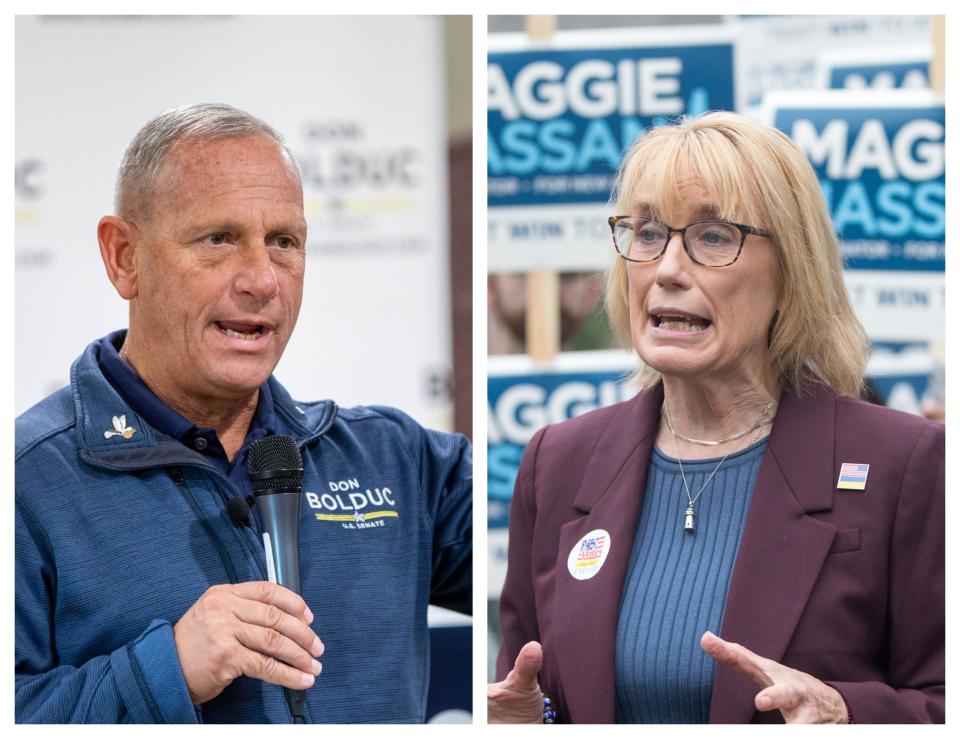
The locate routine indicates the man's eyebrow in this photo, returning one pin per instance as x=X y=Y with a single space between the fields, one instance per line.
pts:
x=213 y=226
x=230 y=226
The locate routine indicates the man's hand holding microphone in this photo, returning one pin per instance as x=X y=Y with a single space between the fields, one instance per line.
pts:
x=257 y=629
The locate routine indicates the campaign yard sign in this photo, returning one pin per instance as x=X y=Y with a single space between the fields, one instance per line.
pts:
x=885 y=68
x=904 y=75
x=523 y=397
x=561 y=116
x=880 y=158
x=780 y=52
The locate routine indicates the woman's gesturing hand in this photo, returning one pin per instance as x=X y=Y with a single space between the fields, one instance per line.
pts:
x=801 y=698
x=518 y=699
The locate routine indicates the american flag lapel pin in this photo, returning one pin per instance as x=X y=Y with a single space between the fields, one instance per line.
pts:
x=853 y=476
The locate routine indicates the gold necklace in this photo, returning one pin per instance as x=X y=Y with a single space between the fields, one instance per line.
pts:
x=689 y=514
x=703 y=442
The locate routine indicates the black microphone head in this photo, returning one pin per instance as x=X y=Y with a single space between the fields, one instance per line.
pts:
x=274 y=463
x=239 y=510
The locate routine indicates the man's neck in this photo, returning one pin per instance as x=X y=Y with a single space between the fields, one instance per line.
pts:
x=229 y=417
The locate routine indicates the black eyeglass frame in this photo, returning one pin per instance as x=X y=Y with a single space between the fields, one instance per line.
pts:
x=744 y=232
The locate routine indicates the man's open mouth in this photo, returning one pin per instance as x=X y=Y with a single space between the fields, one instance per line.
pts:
x=243 y=331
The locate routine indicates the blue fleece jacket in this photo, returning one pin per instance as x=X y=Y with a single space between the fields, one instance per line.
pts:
x=119 y=532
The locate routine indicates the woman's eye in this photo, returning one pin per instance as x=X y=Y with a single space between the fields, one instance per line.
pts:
x=648 y=235
x=715 y=238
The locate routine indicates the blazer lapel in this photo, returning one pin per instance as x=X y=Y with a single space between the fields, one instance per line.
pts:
x=782 y=549
x=587 y=610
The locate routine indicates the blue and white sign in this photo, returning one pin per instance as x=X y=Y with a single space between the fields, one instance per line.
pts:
x=906 y=76
x=560 y=117
x=779 y=52
x=523 y=397
x=888 y=68
x=559 y=120
x=880 y=159
x=904 y=375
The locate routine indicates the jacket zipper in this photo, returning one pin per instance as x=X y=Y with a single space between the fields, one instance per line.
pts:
x=178 y=479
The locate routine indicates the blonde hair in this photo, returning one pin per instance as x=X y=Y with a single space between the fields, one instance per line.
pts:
x=755 y=174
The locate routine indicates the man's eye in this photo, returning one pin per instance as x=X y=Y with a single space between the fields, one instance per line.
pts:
x=286 y=242
x=216 y=239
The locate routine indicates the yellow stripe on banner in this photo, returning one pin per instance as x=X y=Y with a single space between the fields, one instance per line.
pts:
x=352 y=517
x=25 y=215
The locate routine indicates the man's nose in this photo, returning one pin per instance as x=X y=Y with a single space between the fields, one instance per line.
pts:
x=257 y=275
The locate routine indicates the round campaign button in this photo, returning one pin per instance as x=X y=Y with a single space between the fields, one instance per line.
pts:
x=588 y=555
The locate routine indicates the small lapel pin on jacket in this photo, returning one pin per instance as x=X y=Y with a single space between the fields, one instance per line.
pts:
x=120 y=428
x=853 y=476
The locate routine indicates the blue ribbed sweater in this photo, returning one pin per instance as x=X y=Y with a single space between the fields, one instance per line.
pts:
x=676 y=587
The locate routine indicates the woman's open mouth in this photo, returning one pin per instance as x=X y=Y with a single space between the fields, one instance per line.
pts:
x=678 y=322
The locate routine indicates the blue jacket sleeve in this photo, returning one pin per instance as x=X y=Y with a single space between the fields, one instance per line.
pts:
x=140 y=682
x=445 y=464
x=447 y=472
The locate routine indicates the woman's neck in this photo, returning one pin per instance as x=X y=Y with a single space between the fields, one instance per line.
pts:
x=700 y=410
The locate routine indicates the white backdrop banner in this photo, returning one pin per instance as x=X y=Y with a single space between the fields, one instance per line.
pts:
x=359 y=101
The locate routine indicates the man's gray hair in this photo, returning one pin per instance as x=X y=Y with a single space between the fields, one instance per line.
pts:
x=144 y=158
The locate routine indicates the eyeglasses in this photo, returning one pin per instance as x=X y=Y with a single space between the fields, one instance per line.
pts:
x=709 y=243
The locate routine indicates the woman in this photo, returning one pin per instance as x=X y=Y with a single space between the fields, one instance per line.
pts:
x=744 y=492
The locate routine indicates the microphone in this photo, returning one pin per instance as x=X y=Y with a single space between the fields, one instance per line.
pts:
x=275 y=469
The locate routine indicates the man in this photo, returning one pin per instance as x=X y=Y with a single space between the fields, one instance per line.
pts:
x=141 y=590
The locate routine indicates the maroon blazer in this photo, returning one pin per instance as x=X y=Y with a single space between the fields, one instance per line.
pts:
x=847 y=586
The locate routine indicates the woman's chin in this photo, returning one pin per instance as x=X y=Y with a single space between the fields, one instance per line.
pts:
x=675 y=363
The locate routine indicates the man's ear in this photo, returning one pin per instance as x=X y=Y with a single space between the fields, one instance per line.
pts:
x=118 y=246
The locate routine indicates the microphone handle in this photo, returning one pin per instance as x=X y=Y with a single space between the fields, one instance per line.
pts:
x=280 y=514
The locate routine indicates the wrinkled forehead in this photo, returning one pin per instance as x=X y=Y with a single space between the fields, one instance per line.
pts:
x=675 y=180
x=201 y=171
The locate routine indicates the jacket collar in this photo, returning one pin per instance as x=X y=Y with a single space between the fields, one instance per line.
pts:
x=779 y=537
x=112 y=434
x=633 y=428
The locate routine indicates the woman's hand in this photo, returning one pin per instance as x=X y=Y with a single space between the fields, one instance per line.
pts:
x=518 y=698
x=801 y=698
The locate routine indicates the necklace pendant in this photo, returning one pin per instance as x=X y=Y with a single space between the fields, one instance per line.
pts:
x=688 y=519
